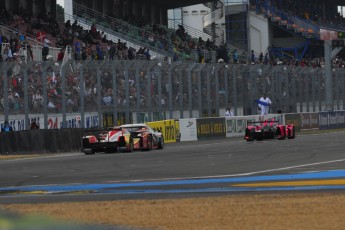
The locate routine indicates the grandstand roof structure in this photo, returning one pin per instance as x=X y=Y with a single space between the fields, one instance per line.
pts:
x=175 y=3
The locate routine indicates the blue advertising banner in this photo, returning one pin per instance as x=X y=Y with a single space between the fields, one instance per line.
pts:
x=340 y=119
x=323 y=120
x=332 y=120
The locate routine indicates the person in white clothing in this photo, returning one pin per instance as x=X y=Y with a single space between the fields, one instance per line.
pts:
x=264 y=104
x=228 y=113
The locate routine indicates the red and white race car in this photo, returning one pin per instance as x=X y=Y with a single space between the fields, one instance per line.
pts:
x=107 y=140
x=260 y=130
x=122 y=138
x=144 y=137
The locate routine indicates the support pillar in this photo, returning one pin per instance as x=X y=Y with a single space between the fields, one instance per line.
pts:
x=144 y=12
x=163 y=16
x=130 y=9
x=117 y=9
x=328 y=76
x=12 y=5
x=136 y=10
x=107 y=7
x=37 y=8
x=153 y=10
x=97 y=5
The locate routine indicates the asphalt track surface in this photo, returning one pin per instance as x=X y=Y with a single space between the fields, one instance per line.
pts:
x=208 y=167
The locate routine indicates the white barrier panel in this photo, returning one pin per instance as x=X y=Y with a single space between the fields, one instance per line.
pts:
x=54 y=121
x=188 y=129
x=236 y=126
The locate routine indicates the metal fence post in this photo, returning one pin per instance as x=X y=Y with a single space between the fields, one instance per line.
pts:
x=98 y=66
x=190 y=89
x=235 y=68
x=180 y=79
x=127 y=66
x=216 y=70
x=26 y=95
x=5 y=90
x=172 y=66
x=148 y=92
x=342 y=74
x=63 y=89
x=114 y=87
x=45 y=96
x=328 y=76
x=313 y=90
x=208 y=83
x=82 y=94
x=159 y=86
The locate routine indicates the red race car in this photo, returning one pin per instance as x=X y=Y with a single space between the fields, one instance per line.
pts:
x=107 y=140
x=260 y=130
x=144 y=137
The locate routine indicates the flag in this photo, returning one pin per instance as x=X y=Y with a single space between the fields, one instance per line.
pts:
x=262 y=103
x=40 y=36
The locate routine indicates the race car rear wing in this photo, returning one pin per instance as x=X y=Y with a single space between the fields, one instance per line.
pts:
x=260 y=122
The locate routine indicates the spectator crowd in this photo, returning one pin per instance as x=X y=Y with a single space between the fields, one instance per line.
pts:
x=94 y=45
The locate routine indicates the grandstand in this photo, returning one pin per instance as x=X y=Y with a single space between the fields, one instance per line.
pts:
x=283 y=32
x=154 y=71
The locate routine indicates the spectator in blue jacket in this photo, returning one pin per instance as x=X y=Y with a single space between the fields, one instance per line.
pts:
x=6 y=127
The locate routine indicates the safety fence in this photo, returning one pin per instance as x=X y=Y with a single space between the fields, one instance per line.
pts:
x=118 y=92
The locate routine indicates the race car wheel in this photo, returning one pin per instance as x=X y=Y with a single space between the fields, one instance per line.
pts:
x=89 y=152
x=292 y=133
x=281 y=134
x=250 y=134
x=149 y=143
x=131 y=145
x=259 y=136
x=161 y=143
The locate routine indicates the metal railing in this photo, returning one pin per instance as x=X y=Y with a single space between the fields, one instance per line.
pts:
x=121 y=29
x=217 y=33
x=139 y=91
x=35 y=46
x=138 y=37
x=193 y=32
x=306 y=27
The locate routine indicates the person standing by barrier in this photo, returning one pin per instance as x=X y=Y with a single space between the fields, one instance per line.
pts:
x=228 y=112
x=45 y=50
x=34 y=125
x=264 y=104
x=7 y=127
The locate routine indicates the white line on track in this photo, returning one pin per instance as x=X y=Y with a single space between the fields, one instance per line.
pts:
x=239 y=174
